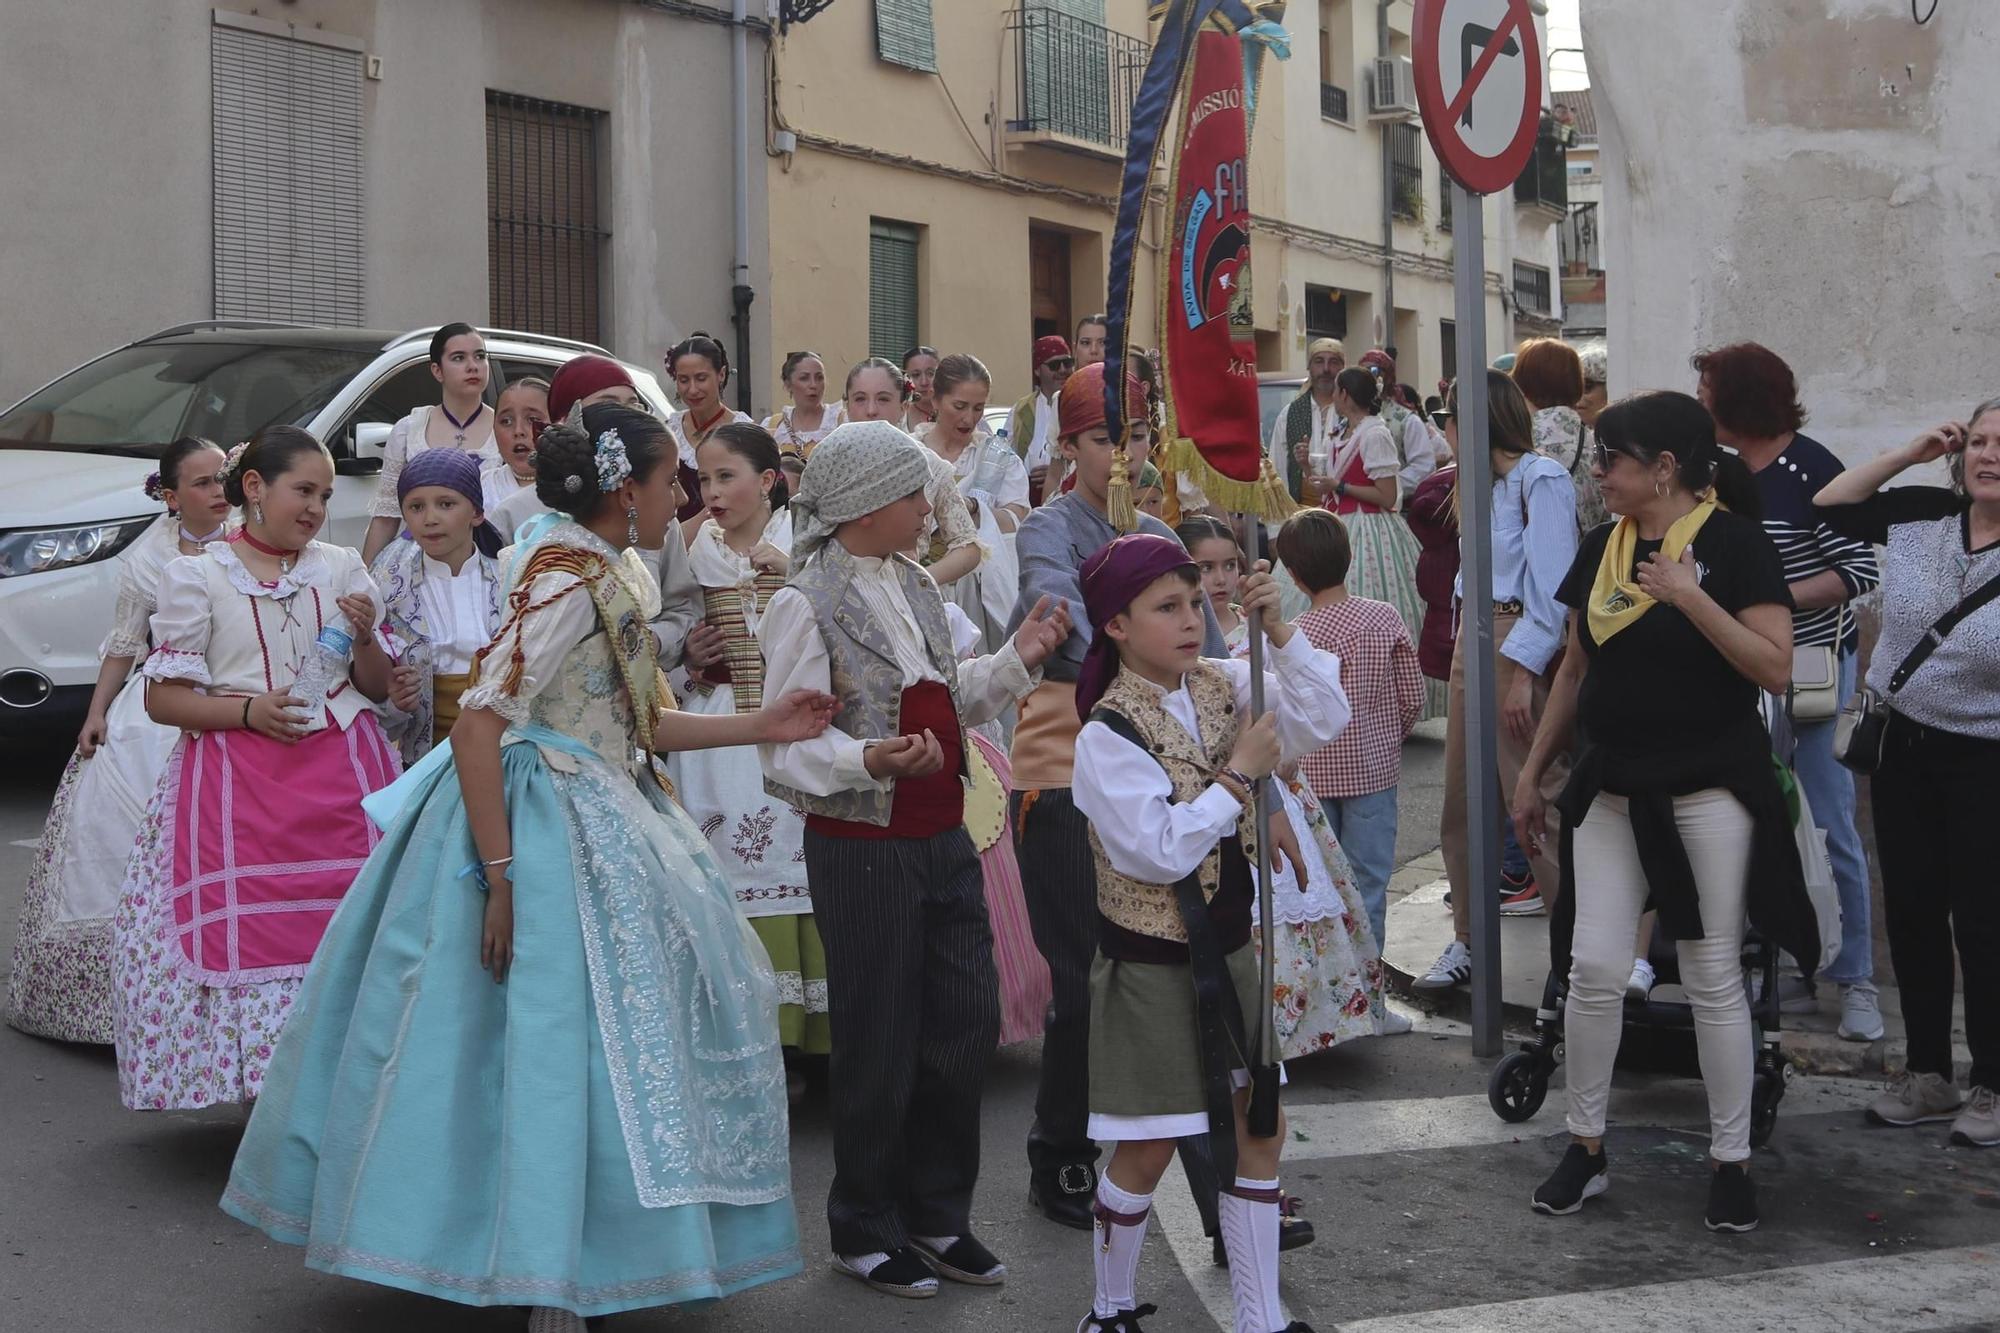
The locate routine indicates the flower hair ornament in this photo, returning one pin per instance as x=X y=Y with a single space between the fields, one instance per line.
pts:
x=155 y=489
x=614 y=465
x=232 y=462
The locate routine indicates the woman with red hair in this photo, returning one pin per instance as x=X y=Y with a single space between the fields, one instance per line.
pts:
x=1549 y=374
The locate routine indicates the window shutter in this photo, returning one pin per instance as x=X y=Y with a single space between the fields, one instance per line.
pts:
x=892 y=289
x=287 y=178
x=903 y=34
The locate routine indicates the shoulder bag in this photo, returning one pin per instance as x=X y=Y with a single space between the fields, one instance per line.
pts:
x=1815 y=693
x=1864 y=723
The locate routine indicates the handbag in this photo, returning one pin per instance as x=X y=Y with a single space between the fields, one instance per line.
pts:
x=1863 y=725
x=1815 y=693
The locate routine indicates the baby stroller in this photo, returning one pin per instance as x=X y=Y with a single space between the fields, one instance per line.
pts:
x=1520 y=1082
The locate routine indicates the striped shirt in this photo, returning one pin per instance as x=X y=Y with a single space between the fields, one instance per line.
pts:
x=1808 y=546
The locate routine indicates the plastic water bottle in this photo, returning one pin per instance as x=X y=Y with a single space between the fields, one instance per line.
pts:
x=324 y=665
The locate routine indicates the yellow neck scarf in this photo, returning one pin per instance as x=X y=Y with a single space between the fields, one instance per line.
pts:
x=1615 y=603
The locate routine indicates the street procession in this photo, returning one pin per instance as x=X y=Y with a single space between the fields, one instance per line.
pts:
x=1125 y=666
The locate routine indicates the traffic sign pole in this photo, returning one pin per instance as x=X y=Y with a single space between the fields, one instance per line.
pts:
x=1479 y=87
x=1475 y=526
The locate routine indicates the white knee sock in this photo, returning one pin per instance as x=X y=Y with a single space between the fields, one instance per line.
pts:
x=1116 y=1239
x=1250 y=1231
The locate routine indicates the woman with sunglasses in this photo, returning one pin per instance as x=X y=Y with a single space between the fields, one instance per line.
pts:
x=1680 y=619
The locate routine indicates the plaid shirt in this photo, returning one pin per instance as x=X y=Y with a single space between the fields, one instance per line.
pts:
x=1385 y=687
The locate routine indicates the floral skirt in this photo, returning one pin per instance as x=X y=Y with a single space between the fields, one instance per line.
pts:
x=798 y=962
x=184 y=1043
x=1327 y=974
x=61 y=983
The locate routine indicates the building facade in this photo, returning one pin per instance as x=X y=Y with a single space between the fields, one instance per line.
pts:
x=1583 y=278
x=550 y=165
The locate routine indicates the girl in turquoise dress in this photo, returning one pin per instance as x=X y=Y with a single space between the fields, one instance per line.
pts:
x=535 y=1060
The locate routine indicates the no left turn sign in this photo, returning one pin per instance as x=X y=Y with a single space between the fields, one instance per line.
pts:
x=1479 y=87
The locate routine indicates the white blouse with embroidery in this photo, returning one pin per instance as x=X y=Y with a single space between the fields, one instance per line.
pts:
x=406 y=440
x=139 y=587
x=220 y=628
x=455 y=607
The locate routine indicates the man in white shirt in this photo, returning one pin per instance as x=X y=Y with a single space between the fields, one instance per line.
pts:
x=1302 y=437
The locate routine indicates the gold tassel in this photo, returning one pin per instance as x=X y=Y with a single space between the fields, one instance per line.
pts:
x=1118 y=504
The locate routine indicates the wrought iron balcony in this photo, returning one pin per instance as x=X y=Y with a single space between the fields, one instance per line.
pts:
x=1333 y=103
x=1074 y=81
x=1544 y=183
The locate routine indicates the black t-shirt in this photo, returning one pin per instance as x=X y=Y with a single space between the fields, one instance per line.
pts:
x=1659 y=685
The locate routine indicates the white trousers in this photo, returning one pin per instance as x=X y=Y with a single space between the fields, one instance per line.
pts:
x=1610 y=897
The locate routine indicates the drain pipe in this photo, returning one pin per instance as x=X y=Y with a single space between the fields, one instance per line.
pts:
x=1388 y=192
x=741 y=293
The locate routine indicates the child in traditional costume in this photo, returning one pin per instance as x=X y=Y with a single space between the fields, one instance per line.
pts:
x=1165 y=771
x=518 y=421
x=441 y=596
x=256 y=828
x=896 y=881
x=567 y=1096
x=61 y=983
x=740 y=557
x=1050 y=837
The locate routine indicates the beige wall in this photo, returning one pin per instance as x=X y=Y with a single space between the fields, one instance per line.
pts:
x=975 y=196
x=107 y=223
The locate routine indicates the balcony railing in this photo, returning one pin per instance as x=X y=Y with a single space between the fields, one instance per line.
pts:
x=1544 y=182
x=1580 y=253
x=1075 y=81
x=1333 y=103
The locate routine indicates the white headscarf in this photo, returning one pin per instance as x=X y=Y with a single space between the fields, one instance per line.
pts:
x=860 y=467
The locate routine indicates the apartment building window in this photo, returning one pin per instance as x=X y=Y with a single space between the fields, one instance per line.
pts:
x=904 y=36
x=1448 y=347
x=1326 y=313
x=1444 y=201
x=1531 y=288
x=892 y=288
x=286 y=175
x=544 y=233
x=1406 y=169
x=1336 y=59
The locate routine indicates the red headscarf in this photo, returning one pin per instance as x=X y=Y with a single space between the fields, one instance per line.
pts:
x=1048 y=347
x=1082 y=405
x=1113 y=575
x=1382 y=361
x=581 y=377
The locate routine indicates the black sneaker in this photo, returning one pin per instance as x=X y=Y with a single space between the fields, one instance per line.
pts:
x=1125 y=1321
x=1732 y=1199
x=1578 y=1176
x=964 y=1260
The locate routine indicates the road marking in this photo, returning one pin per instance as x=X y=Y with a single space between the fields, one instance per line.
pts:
x=1939 y=1289
x=25 y=842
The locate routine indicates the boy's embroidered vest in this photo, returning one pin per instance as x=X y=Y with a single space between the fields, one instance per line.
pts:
x=633 y=647
x=1191 y=765
x=865 y=676
x=742 y=666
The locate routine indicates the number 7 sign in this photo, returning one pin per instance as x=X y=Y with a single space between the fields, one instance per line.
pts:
x=1479 y=87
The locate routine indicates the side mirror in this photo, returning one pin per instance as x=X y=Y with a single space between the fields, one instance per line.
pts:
x=371 y=440
x=356 y=467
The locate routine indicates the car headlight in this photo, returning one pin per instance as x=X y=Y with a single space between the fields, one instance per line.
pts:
x=37 y=550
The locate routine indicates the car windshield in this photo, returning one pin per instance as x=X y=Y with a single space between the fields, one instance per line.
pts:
x=139 y=398
x=1273 y=397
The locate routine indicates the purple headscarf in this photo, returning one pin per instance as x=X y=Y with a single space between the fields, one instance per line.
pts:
x=1113 y=575
x=459 y=471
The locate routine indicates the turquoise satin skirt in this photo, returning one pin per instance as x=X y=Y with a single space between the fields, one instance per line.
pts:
x=605 y=1131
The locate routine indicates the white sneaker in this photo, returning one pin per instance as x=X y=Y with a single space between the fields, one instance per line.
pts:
x=1860 y=1014
x=1641 y=984
x=1453 y=968
x=1390 y=1023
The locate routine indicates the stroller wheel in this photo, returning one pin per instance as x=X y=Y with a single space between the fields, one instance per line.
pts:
x=1517 y=1087
x=1764 y=1096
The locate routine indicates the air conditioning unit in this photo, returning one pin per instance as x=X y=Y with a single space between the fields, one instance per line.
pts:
x=1392 y=89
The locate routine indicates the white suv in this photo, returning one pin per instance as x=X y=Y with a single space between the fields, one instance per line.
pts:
x=74 y=456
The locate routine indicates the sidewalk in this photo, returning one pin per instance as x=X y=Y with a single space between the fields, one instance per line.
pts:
x=1420 y=928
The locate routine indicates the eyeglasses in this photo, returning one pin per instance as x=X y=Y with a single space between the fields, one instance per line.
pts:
x=1601 y=455
x=1058 y=363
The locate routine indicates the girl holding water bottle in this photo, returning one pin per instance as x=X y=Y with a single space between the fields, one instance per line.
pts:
x=266 y=662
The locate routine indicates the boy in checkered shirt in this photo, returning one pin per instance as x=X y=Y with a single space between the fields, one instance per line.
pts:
x=1355 y=777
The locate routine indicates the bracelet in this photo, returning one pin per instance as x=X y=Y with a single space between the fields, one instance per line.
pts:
x=247 y=699
x=494 y=865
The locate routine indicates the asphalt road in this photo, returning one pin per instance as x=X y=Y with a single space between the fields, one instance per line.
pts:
x=108 y=1218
